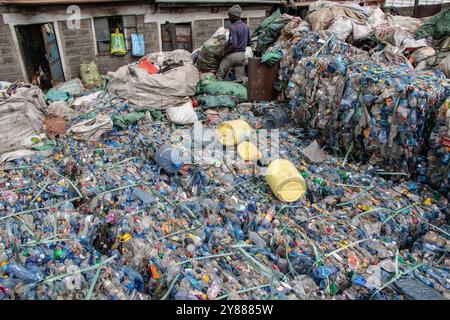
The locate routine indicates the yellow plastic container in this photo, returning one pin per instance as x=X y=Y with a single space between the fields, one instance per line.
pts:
x=285 y=181
x=248 y=151
x=233 y=132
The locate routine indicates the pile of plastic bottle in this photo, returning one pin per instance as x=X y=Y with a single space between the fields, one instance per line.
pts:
x=105 y=221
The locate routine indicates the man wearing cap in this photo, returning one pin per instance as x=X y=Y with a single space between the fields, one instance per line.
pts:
x=235 y=52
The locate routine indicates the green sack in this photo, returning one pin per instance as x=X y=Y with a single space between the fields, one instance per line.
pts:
x=124 y=121
x=438 y=26
x=214 y=87
x=269 y=30
x=57 y=95
x=47 y=145
x=207 y=101
x=266 y=22
x=118 y=43
x=271 y=57
x=270 y=35
x=90 y=75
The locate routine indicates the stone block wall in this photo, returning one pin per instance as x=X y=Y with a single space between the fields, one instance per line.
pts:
x=9 y=61
x=151 y=36
x=203 y=30
x=254 y=23
x=79 y=47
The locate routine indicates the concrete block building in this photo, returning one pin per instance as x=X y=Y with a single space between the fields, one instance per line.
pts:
x=60 y=35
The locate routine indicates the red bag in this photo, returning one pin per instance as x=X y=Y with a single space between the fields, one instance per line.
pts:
x=148 y=65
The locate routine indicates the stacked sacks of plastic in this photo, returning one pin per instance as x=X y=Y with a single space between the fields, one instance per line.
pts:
x=211 y=52
x=22 y=111
x=346 y=20
x=268 y=31
x=276 y=52
x=436 y=31
x=172 y=84
x=436 y=168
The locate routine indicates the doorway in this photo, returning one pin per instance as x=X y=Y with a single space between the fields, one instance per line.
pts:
x=40 y=54
x=176 y=36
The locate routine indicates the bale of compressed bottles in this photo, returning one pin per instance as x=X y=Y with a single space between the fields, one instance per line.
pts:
x=382 y=114
x=435 y=168
x=304 y=43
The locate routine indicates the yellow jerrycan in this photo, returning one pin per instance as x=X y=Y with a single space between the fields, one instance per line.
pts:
x=285 y=181
x=248 y=151
x=233 y=132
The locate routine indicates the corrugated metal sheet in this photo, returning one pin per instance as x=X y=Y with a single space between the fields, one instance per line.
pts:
x=305 y=3
x=206 y=2
x=410 y=3
x=37 y=2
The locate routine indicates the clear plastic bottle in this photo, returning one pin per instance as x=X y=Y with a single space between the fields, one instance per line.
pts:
x=214 y=289
x=20 y=272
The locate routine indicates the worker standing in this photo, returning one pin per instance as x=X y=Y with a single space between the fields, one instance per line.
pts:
x=235 y=52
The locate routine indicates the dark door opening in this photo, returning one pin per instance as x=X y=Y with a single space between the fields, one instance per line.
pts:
x=176 y=36
x=40 y=54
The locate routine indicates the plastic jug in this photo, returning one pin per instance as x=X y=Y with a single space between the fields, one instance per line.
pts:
x=233 y=132
x=285 y=181
x=248 y=151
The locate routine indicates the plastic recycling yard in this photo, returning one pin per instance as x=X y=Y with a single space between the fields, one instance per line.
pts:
x=151 y=182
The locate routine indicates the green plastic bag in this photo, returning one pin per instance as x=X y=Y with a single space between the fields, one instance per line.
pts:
x=271 y=57
x=207 y=101
x=214 y=87
x=124 y=121
x=118 y=43
x=90 y=75
x=47 y=145
x=270 y=35
x=438 y=26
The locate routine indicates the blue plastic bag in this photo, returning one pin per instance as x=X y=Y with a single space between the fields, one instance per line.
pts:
x=137 y=45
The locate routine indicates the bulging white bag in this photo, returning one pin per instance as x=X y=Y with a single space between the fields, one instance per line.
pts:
x=341 y=28
x=183 y=114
